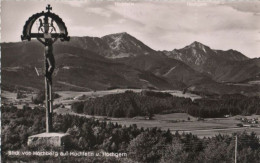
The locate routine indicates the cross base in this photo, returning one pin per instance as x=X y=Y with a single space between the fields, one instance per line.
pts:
x=49 y=140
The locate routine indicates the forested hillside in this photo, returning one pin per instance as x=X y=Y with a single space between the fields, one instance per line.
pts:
x=148 y=103
x=143 y=145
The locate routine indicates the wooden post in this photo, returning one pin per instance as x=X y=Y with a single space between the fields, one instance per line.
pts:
x=48 y=90
x=48 y=96
x=48 y=120
x=236 y=150
x=51 y=105
x=47 y=38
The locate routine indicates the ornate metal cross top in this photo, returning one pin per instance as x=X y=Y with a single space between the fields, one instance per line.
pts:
x=46 y=27
x=49 y=8
x=28 y=33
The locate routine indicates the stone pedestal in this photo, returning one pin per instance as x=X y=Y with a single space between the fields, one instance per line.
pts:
x=49 y=139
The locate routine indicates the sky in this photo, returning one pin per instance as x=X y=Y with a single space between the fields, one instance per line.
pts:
x=162 y=25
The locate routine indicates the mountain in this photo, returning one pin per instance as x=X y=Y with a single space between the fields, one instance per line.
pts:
x=194 y=55
x=235 y=67
x=121 y=60
x=179 y=74
x=77 y=69
x=112 y=46
x=231 y=55
x=125 y=45
x=197 y=54
x=176 y=72
x=221 y=66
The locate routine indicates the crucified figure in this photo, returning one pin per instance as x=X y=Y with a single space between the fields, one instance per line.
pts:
x=50 y=60
x=50 y=63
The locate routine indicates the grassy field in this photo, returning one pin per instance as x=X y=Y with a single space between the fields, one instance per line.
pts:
x=10 y=98
x=65 y=95
x=180 y=122
x=68 y=97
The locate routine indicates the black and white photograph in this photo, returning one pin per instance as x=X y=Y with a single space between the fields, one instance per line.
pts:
x=128 y=81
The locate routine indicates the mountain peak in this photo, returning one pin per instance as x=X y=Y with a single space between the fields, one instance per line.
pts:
x=125 y=45
x=118 y=34
x=233 y=51
x=197 y=44
x=123 y=33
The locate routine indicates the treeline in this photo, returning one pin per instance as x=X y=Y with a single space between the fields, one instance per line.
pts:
x=130 y=104
x=219 y=106
x=141 y=145
x=148 y=103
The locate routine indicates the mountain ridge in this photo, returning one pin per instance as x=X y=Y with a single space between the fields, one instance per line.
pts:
x=95 y=61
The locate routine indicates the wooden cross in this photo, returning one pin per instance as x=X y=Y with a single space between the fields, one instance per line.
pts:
x=49 y=63
x=47 y=38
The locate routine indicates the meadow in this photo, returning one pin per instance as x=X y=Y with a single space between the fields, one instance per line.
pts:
x=180 y=122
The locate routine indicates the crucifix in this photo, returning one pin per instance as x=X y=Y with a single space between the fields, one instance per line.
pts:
x=47 y=34
x=49 y=8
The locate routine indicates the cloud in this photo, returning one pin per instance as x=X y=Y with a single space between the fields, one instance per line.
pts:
x=162 y=25
x=171 y=25
x=121 y=21
x=84 y=30
x=99 y=11
x=181 y=17
x=246 y=6
x=76 y=3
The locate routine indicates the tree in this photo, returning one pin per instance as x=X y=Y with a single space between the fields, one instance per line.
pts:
x=77 y=107
x=20 y=95
x=39 y=99
x=174 y=152
x=147 y=147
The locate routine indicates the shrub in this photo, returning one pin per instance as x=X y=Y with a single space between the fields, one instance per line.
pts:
x=40 y=97
x=77 y=107
x=20 y=95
